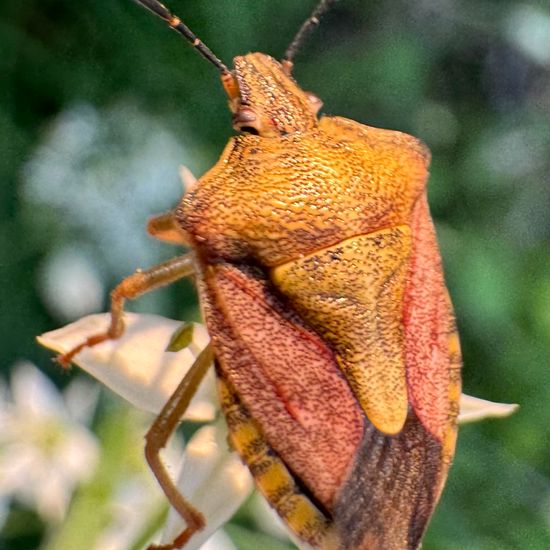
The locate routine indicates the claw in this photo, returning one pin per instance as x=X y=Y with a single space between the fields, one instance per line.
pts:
x=66 y=359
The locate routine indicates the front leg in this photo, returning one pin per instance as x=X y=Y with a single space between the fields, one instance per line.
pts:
x=130 y=288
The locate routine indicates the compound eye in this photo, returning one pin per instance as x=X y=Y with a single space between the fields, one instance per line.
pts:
x=246 y=120
x=314 y=102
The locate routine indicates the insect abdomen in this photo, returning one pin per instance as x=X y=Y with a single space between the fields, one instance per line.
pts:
x=271 y=475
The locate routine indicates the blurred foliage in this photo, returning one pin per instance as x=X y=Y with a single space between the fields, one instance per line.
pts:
x=99 y=101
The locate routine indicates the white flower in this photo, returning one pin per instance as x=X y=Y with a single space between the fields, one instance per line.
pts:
x=137 y=367
x=267 y=520
x=70 y=284
x=102 y=164
x=137 y=499
x=219 y=541
x=213 y=479
x=473 y=409
x=45 y=450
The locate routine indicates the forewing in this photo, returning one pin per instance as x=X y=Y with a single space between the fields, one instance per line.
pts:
x=432 y=349
x=286 y=377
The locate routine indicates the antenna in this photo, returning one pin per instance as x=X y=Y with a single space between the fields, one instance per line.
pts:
x=175 y=23
x=307 y=27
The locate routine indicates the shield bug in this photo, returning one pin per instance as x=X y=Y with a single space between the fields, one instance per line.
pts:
x=332 y=332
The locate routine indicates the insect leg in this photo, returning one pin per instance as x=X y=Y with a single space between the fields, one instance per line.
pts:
x=157 y=437
x=141 y=282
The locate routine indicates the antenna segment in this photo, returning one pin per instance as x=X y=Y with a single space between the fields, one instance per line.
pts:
x=307 y=27
x=177 y=24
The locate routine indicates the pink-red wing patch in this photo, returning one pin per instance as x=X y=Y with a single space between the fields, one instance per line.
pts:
x=287 y=378
x=429 y=324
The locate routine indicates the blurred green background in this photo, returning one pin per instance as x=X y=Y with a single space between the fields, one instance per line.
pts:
x=100 y=103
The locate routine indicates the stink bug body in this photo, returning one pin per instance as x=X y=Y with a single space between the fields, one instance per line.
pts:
x=331 y=328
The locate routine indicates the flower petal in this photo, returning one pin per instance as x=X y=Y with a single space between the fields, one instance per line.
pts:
x=136 y=365
x=45 y=452
x=219 y=541
x=34 y=395
x=474 y=408
x=266 y=518
x=213 y=478
x=80 y=398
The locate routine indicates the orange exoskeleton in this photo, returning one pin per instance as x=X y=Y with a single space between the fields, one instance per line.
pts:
x=331 y=328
